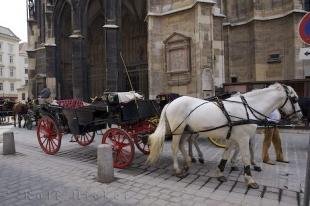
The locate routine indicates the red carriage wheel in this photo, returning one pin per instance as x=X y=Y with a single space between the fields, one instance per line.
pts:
x=48 y=135
x=145 y=129
x=122 y=146
x=85 y=139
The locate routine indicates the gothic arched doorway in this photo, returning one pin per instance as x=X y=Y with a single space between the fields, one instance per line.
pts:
x=134 y=44
x=64 y=53
x=96 y=57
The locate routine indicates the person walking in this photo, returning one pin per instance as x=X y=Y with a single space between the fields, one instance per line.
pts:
x=272 y=135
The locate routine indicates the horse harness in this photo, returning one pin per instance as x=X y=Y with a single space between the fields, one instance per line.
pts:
x=263 y=120
x=293 y=101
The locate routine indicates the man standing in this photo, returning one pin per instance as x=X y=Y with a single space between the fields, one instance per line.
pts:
x=272 y=135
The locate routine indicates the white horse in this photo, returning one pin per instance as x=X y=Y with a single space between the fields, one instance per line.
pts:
x=209 y=120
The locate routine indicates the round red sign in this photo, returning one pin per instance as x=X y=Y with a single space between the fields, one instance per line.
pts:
x=304 y=28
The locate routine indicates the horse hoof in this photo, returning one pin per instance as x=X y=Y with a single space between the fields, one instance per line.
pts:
x=202 y=161
x=257 y=168
x=181 y=175
x=194 y=160
x=234 y=168
x=222 y=179
x=253 y=185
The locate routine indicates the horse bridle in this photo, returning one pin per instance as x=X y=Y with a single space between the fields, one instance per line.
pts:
x=293 y=101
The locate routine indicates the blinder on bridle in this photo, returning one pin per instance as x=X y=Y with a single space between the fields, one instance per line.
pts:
x=293 y=100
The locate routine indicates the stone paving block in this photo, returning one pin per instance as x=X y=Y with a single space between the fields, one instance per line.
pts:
x=225 y=187
x=254 y=192
x=289 y=200
x=211 y=185
x=203 y=193
x=180 y=185
x=200 y=181
x=271 y=195
x=154 y=194
x=189 y=178
x=252 y=201
x=218 y=195
x=288 y=193
x=160 y=202
x=267 y=202
x=234 y=198
x=148 y=201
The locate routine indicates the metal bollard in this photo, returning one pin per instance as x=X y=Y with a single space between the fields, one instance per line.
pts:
x=8 y=143
x=105 y=163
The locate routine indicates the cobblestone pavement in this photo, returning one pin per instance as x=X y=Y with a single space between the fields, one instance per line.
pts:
x=69 y=178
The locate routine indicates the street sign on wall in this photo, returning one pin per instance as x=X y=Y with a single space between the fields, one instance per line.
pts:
x=304 y=53
x=304 y=29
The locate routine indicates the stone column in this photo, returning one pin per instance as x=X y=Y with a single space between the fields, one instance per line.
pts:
x=50 y=51
x=113 y=44
x=78 y=67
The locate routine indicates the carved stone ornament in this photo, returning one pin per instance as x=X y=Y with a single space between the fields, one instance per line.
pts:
x=178 y=59
x=31 y=9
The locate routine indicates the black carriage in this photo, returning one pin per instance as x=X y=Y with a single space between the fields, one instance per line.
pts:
x=125 y=124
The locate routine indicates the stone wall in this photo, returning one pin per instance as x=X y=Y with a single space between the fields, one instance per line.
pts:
x=261 y=40
x=239 y=47
x=173 y=21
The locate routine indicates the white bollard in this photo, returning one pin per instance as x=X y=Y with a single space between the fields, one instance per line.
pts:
x=8 y=143
x=105 y=163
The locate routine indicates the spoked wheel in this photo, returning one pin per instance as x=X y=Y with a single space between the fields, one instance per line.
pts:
x=85 y=139
x=48 y=135
x=122 y=146
x=141 y=139
x=220 y=142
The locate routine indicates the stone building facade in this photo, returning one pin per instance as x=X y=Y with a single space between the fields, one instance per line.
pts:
x=11 y=76
x=185 y=38
x=82 y=48
x=78 y=48
x=262 y=41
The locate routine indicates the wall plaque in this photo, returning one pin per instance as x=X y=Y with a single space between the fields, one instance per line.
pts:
x=178 y=59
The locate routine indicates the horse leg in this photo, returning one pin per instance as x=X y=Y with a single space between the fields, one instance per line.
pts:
x=175 y=148
x=14 y=118
x=252 y=154
x=24 y=117
x=221 y=167
x=190 y=149
x=233 y=160
x=244 y=147
x=19 y=120
x=187 y=159
x=200 y=155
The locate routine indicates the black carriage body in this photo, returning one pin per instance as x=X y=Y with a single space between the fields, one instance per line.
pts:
x=88 y=119
x=98 y=116
x=135 y=111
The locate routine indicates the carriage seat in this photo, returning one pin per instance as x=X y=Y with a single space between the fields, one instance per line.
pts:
x=71 y=103
x=122 y=97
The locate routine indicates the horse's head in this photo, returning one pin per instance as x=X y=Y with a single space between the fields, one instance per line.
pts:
x=290 y=108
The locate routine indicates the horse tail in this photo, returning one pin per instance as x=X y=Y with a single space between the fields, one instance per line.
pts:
x=156 y=140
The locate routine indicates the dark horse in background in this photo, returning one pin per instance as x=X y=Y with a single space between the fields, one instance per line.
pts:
x=20 y=110
x=304 y=103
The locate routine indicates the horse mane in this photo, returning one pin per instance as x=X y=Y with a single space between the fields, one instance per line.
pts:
x=255 y=92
